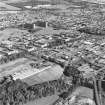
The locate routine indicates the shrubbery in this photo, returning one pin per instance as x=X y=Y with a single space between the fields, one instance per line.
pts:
x=16 y=92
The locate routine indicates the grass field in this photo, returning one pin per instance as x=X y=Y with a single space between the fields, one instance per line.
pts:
x=21 y=5
x=11 y=32
x=27 y=3
x=46 y=75
x=44 y=101
x=12 y=66
x=4 y=6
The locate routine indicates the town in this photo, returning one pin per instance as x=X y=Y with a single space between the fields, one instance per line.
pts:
x=52 y=50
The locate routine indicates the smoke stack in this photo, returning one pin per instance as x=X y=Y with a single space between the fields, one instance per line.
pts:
x=34 y=26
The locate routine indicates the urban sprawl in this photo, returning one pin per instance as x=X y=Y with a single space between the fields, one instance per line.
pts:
x=71 y=41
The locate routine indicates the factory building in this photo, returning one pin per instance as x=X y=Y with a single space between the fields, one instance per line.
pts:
x=35 y=25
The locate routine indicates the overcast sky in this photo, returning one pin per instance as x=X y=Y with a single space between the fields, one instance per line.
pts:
x=100 y=1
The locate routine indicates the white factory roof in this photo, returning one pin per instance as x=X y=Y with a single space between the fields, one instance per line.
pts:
x=13 y=52
x=29 y=7
x=87 y=42
x=31 y=49
x=38 y=6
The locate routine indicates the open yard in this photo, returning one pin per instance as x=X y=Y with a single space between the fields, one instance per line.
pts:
x=44 y=101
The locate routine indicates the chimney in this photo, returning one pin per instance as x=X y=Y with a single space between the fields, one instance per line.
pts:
x=34 y=26
x=46 y=24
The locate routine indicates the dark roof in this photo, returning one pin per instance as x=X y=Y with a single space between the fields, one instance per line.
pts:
x=71 y=71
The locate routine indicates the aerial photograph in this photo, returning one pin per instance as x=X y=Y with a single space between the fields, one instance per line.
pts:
x=52 y=52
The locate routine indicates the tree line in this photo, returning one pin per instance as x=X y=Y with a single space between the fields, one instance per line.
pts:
x=16 y=92
x=8 y=58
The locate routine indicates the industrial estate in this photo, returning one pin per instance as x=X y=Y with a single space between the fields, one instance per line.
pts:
x=52 y=52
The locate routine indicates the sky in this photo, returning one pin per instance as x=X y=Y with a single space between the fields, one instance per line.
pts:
x=96 y=1
x=100 y=1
